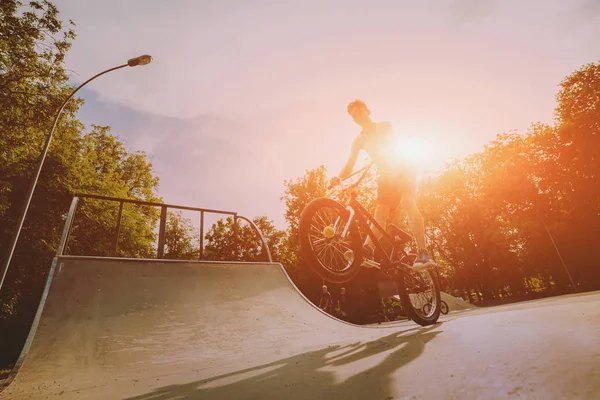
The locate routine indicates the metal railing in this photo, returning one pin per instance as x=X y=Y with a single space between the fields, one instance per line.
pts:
x=162 y=224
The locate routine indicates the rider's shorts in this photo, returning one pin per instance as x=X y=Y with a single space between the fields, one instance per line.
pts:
x=395 y=185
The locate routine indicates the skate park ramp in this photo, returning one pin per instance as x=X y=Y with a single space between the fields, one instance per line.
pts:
x=155 y=329
x=455 y=303
x=113 y=328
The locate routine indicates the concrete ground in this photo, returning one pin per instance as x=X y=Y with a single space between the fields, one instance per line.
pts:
x=142 y=329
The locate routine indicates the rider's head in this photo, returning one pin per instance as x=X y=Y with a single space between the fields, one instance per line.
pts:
x=359 y=112
x=324 y=288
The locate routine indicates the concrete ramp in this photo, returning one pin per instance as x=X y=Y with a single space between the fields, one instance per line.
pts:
x=149 y=330
x=113 y=328
x=455 y=304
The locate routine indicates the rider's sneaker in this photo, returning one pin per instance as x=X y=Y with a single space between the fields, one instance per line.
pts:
x=422 y=261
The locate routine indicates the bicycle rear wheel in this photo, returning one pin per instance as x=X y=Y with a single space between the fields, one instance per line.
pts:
x=334 y=258
x=420 y=294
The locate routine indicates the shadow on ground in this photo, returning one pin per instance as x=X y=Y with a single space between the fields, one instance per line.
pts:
x=312 y=375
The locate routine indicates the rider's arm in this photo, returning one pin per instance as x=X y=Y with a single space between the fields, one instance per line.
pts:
x=347 y=170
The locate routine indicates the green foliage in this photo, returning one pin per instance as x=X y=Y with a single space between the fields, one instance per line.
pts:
x=33 y=84
x=488 y=213
x=221 y=241
x=106 y=168
x=182 y=241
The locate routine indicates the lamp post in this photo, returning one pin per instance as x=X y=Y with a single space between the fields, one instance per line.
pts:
x=141 y=60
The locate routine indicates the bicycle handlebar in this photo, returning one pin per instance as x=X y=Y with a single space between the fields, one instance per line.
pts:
x=366 y=169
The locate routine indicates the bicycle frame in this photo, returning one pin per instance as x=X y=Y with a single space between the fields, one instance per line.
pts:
x=359 y=212
x=365 y=221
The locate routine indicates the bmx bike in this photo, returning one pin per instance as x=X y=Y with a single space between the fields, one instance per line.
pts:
x=443 y=307
x=331 y=241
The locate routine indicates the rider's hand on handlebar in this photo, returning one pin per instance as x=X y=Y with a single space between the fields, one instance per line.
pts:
x=334 y=181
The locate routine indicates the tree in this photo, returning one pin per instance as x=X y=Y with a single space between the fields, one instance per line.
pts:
x=488 y=213
x=221 y=243
x=182 y=241
x=106 y=168
x=578 y=123
x=33 y=84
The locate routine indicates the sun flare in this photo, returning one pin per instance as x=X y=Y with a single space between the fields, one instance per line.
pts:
x=413 y=149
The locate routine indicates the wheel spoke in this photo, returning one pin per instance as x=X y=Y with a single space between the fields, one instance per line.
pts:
x=421 y=293
x=329 y=250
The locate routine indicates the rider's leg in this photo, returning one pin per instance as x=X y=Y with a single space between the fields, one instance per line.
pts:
x=415 y=220
x=382 y=212
x=388 y=196
x=417 y=227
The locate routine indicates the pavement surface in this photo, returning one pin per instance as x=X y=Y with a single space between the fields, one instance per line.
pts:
x=146 y=329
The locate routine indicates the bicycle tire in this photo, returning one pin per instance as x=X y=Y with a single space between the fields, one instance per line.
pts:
x=444 y=309
x=413 y=313
x=444 y=306
x=308 y=252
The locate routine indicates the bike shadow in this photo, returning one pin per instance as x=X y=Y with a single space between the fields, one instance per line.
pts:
x=314 y=374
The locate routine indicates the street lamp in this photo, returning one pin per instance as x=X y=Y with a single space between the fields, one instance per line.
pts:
x=141 y=60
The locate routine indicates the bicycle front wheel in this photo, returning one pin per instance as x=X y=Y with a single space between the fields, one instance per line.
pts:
x=334 y=257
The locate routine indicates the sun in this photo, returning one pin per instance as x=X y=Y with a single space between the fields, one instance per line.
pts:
x=416 y=150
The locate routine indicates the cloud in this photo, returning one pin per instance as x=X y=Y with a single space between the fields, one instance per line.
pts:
x=208 y=161
x=242 y=95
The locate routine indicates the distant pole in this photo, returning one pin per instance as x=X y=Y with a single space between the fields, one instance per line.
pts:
x=141 y=60
x=561 y=259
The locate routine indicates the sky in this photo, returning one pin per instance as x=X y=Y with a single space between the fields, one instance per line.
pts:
x=243 y=95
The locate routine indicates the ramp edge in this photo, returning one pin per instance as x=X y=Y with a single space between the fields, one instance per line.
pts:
x=36 y=320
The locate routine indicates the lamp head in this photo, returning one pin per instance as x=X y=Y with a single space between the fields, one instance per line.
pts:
x=141 y=60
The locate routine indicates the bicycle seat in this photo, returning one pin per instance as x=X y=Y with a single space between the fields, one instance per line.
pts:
x=394 y=231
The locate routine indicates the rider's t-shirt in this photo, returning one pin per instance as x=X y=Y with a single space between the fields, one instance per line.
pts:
x=381 y=145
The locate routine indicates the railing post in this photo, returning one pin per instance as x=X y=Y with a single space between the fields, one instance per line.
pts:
x=235 y=238
x=116 y=239
x=201 y=255
x=161 y=232
x=62 y=245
